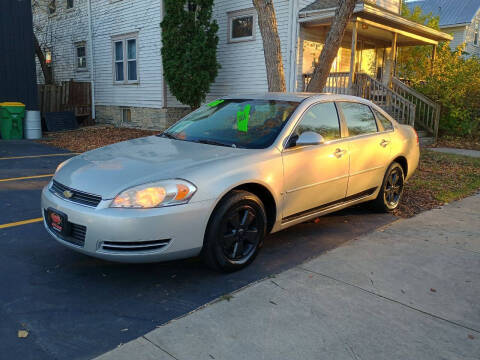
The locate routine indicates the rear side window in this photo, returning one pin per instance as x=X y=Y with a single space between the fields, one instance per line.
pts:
x=322 y=119
x=387 y=124
x=359 y=118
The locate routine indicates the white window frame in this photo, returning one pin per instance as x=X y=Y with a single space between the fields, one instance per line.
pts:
x=124 y=40
x=240 y=14
x=78 y=45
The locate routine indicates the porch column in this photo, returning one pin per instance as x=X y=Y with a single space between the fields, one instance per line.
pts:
x=353 y=55
x=390 y=62
x=434 y=57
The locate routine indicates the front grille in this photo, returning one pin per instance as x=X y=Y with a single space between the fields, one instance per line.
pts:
x=75 y=234
x=78 y=197
x=140 y=246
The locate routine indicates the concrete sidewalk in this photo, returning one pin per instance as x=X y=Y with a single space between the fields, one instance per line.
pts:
x=408 y=291
x=463 y=152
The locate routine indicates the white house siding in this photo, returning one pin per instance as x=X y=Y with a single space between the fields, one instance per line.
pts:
x=458 y=34
x=60 y=32
x=113 y=18
x=471 y=48
x=390 y=5
x=243 y=63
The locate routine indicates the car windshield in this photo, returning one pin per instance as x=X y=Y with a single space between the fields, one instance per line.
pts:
x=252 y=124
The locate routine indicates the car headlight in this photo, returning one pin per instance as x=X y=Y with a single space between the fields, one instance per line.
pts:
x=153 y=195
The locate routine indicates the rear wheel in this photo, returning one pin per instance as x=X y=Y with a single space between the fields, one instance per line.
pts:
x=235 y=232
x=390 y=194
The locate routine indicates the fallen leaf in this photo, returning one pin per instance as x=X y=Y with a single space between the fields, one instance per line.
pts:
x=433 y=290
x=471 y=337
x=22 y=333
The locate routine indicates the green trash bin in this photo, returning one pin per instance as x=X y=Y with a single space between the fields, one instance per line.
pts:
x=11 y=120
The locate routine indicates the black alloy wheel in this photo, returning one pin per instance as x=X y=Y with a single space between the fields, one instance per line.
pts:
x=235 y=232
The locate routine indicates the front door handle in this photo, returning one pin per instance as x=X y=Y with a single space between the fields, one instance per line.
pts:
x=384 y=143
x=339 y=153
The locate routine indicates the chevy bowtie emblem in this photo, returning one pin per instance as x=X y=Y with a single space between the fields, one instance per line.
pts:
x=67 y=194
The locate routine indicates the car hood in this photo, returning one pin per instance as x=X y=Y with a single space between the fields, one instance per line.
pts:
x=109 y=170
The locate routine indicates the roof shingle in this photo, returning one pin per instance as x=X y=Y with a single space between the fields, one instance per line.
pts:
x=451 y=12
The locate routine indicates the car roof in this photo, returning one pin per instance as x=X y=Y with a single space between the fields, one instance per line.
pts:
x=295 y=96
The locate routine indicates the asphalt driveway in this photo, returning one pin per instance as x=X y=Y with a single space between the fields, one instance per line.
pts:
x=77 y=307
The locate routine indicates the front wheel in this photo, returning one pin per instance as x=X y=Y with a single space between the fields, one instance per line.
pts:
x=390 y=194
x=235 y=232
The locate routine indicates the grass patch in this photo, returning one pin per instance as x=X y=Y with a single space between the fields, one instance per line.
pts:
x=439 y=179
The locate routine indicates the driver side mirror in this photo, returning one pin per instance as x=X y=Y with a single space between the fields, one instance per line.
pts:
x=307 y=138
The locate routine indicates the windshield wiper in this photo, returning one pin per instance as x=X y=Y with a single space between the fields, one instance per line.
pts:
x=168 y=135
x=213 y=142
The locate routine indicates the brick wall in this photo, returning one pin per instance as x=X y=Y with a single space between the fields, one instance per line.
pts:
x=140 y=117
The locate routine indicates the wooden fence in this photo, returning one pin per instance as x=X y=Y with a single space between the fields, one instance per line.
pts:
x=67 y=96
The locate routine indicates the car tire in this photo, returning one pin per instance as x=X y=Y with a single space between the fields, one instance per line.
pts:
x=391 y=192
x=235 y=232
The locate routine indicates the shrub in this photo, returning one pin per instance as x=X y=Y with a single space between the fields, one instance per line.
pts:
x=454 y=80
x=189 y=51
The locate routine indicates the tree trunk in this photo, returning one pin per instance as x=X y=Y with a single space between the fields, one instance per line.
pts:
x=271 y=45
x=332 y=44
x=47 y=71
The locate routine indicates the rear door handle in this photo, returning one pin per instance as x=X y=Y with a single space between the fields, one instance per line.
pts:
x=384 y=143
x=339 y=153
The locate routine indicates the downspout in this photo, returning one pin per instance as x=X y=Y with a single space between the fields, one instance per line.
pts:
x=292 y=44
x=90 y=52
x=165 y=97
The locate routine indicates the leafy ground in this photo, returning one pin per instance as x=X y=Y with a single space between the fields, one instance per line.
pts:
x=92 y=137
x=440 y=178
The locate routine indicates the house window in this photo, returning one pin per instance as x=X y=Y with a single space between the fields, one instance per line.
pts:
x=81 y=55
x=69 y=4
x=52 y=7
x=241 y=25
x=126 y=115
x=125 y=59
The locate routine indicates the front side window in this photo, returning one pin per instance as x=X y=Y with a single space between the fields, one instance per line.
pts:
x=322 y=119
x=125 y=60
x=241 y=26
x=359 y=118
x=387 y=124
x=245 y=123
x=81 y=57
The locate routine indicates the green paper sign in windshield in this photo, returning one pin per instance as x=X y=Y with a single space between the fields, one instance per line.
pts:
x=215 y=103
x=243 y=116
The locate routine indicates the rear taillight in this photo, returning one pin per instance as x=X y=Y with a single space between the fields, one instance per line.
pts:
x=416 y=135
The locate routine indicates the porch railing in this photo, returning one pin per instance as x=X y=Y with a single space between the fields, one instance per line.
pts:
x=400 y=108
x=427 y=113
x=337 y=83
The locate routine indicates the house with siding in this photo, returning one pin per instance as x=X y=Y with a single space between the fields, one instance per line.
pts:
x=461 y=19
x=116 y=45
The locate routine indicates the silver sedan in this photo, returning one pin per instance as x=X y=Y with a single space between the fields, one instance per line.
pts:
x=222 y=178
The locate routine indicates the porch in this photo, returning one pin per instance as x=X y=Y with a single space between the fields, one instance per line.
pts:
x=366 y=61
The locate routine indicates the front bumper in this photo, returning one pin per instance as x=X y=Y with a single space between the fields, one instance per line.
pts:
x=114 y=234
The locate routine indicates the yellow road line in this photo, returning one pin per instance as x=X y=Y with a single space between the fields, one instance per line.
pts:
x=27 y=177
x=18 y=223
x=36 y=156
